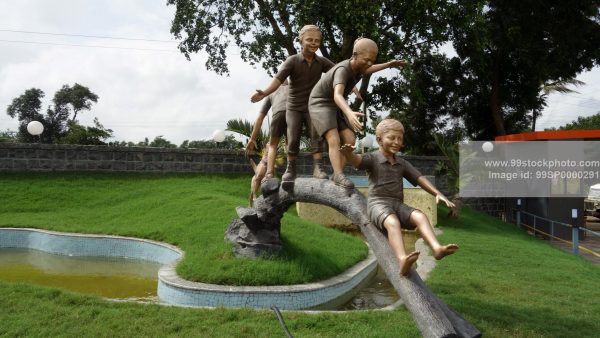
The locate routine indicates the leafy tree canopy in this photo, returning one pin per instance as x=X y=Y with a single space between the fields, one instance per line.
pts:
x=266 y=32
x=506 y=51
x=582 y=123
x=161 y=142
x=229 y=143
x=58 y=128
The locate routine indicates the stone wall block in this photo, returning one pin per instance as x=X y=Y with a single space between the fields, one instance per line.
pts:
x=60 y=155
x=94 y=156
x=71 y=154
x=119 y=156
x=6 y=163
x=82 y=155
x=104 y=165
x=119 y=165
x=34 y=153
x=58 y=165
x=81 y=165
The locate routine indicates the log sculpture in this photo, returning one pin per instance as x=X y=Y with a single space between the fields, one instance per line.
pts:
x=257 y=232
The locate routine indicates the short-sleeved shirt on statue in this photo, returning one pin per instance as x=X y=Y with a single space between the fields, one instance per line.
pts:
x=302 y=78
x=324 y=112
x=386 y=190
x=277 y=103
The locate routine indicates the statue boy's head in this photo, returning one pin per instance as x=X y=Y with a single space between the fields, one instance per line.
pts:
x=310 y=38
x=364 y=54
x=390 y=133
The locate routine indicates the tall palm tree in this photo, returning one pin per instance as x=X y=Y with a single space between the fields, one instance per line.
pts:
x=560 y=86
x=243 y=127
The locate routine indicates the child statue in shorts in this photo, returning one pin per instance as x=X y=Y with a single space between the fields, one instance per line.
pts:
x=331 y=115
x=386 y=208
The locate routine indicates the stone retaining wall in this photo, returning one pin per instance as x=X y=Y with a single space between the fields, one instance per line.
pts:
x=57 y=157
x=60 y=157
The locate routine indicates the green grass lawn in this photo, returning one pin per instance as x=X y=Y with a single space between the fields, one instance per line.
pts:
x=505 y=282
x=191 y=211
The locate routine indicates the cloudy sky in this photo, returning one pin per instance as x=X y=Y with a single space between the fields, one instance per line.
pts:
x=145 y=86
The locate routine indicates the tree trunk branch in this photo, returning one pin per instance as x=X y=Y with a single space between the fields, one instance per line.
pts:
x=433 y=317
x=266 y=11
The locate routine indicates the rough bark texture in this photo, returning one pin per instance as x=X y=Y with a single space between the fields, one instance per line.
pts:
x=433 y=317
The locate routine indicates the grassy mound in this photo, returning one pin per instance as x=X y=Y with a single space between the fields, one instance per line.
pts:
x=188 y=210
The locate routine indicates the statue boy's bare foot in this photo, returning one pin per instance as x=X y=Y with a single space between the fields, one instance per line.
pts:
x=444 y=251
x=407 y=262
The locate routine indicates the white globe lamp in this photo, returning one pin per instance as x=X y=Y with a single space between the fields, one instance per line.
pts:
x=367 y=142
x=218 y=135
x=35 y=128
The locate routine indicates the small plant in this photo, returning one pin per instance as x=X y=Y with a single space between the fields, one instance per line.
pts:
x=450 y=168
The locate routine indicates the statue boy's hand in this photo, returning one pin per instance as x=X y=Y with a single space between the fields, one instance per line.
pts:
x=347 y=149
x=440 y=197
x=250 y=146
x=354 y=121
x=259 y=95
x=397 y=63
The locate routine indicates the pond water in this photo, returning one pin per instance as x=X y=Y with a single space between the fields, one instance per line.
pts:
x=109 y=277
x=132 y=279
x=378 y=294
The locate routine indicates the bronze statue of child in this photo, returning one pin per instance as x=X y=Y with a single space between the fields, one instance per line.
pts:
x=276 y=101
x=331 y=115
x=386 y=208
x=304 y=70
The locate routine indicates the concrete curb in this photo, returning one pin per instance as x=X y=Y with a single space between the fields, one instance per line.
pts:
x=174 y=290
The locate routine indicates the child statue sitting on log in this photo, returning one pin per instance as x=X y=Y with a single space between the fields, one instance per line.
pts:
x=386 y=208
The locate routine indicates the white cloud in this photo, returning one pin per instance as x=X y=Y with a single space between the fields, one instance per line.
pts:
x=141 y=93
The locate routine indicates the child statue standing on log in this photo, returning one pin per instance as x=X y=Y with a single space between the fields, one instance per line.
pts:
x=386 y=208
x=304 y=70
x=276 y=102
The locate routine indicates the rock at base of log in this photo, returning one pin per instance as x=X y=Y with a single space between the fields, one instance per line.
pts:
x=252 y=243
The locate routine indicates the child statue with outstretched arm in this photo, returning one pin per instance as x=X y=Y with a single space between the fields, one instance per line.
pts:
x=331 y=115
x=303 y=71
x=386 y=208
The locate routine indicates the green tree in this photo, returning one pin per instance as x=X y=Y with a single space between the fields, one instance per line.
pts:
x=58 y=126
x=8 y=136
x=161 y=142
x=244 y=128
x=266 y=32
x=229 y=143
x=561 y=86
x=74 y=99
x=507 y=48
x=26 y=108
x=582 y=123
x=78 y=134
x=425 y=99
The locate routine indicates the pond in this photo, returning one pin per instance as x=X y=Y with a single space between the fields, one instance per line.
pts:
x=131 y=279
x=110 y=277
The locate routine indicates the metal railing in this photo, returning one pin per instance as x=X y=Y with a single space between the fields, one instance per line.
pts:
x=533 y=224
